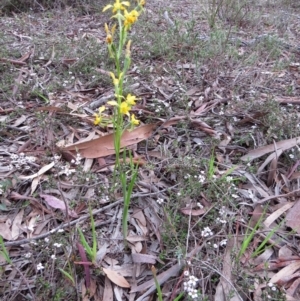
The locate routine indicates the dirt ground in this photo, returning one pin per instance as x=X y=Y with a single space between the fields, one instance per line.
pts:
x=214 y=211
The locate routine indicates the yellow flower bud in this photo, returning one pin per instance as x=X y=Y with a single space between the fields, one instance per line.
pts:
x=133 y=120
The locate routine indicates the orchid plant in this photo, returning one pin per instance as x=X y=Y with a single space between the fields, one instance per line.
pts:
x=122 y=118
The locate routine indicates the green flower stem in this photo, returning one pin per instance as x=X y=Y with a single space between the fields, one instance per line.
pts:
x=118 y=116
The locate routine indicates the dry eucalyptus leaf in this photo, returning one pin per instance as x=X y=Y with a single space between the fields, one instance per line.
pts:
x=116 y=278
x=39 y=173
x=293 y=216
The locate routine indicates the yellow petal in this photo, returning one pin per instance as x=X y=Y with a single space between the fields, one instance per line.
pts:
x=112 y=103
x=115 y=80
x=106 y=28
x=108 y=6
x=128 y=48
x=113 y=29
x=130 y=99
x=124 y=108
x=133 y=120
x=97 y=120
x=112 y=75
x=126 y=3
x=101 y=109
x=109 y=39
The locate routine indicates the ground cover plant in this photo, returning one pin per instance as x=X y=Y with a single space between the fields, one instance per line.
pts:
x=149 y=150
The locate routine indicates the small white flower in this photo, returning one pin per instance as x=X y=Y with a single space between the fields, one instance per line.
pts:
x=201 y=178
x=60 y=230
x=52 y=231
x=199 y=205
x=78 y=158
x=31 y=159
x=14 y=156
x=221 y=221
x=47 y=239
x=291 y=156
x=215 y=246
x=53 y=256
x=270 y=284
x=160 y=201
x=206 y=232
x=186 y=273
x=223 y=242
x=222 y=211
x=229 y=179
x=57 y=245
x=28 y=255
x=194 y=294
x=235 y=196
x=273 y=288
x=40 y=267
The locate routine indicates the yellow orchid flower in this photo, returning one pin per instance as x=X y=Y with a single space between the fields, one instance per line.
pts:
x=124 y=108
x=109 y=33
x=133 y=120
x=98 y=116
x=116 y=80
x=130 y=18
x=131 y=100
x=97 y=119
x=117 y=6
